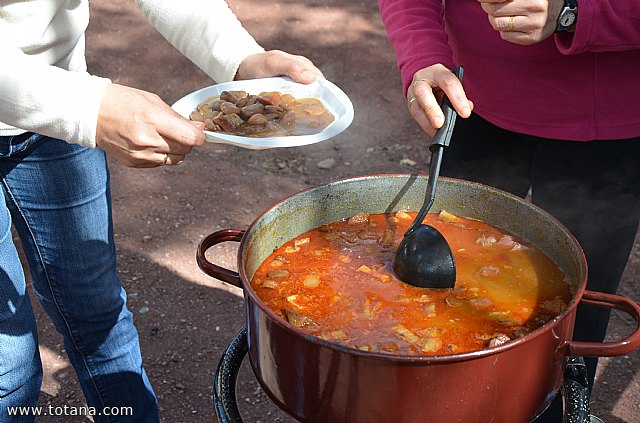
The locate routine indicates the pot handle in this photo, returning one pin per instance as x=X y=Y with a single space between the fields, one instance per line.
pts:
x=609 y=349
x=214 y=270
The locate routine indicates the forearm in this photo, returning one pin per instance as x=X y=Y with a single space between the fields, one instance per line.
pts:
x=416 y=31
x=45 y=99
x=205 y=31
x=604 y=25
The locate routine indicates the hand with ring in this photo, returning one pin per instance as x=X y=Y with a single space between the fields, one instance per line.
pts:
x=138 y=129
x=523 y=22
x=426 y=92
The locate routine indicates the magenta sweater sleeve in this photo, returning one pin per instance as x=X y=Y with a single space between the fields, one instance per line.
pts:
x=416 y=31
x=603 y=25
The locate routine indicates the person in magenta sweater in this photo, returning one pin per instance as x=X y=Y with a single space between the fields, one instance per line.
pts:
x=550 y=98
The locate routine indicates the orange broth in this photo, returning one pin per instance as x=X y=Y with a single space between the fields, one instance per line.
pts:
x=337 y=282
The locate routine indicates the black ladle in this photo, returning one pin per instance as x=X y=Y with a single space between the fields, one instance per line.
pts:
x=424 y=258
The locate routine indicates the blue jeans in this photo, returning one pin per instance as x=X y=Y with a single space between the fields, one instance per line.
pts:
x=57 y=196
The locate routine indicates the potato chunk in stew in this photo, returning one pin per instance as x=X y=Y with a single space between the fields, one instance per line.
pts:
x=336 y=282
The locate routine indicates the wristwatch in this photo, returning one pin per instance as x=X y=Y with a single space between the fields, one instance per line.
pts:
x=568 y=17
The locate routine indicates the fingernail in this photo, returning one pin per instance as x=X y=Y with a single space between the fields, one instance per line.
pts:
x=309 y=75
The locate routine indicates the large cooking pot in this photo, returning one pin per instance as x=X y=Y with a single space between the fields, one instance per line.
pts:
x=315 y=380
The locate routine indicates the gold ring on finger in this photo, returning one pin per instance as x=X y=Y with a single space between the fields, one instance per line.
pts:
x=511 y=19
x=418 y=80
x=413 y=99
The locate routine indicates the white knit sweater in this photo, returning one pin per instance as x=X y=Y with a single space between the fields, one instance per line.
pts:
x=44 y=84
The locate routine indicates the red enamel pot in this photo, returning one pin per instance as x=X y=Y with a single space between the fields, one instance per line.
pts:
x=315 y=380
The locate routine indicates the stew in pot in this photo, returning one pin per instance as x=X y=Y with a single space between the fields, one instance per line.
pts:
x=336 y=282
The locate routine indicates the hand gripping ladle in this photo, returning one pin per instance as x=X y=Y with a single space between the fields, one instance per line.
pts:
x=424 y=258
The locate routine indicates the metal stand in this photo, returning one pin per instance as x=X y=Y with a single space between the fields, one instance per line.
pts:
x=575 y=392
x=224 y=391
x=575 y=389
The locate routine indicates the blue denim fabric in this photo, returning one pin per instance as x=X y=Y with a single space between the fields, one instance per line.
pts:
x=58 y=198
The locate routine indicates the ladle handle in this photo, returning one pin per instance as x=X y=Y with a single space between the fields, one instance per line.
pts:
x=434 y=171
x=440 y=140
x=443 y=135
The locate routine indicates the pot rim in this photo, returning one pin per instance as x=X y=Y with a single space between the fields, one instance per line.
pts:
x=413 y=359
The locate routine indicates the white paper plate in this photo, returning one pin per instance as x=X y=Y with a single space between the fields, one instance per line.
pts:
x=333 y=98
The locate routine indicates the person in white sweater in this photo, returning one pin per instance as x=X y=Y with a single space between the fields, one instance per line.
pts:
x=56 y=124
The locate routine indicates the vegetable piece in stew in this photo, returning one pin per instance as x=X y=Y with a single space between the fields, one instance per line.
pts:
x=336 y=282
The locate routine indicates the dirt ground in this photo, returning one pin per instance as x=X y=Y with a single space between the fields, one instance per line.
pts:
x=185 y=318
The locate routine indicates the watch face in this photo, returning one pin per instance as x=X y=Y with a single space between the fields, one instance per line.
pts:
x=567 y=19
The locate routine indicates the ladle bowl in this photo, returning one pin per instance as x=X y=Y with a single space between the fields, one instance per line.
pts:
x=431 y=260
